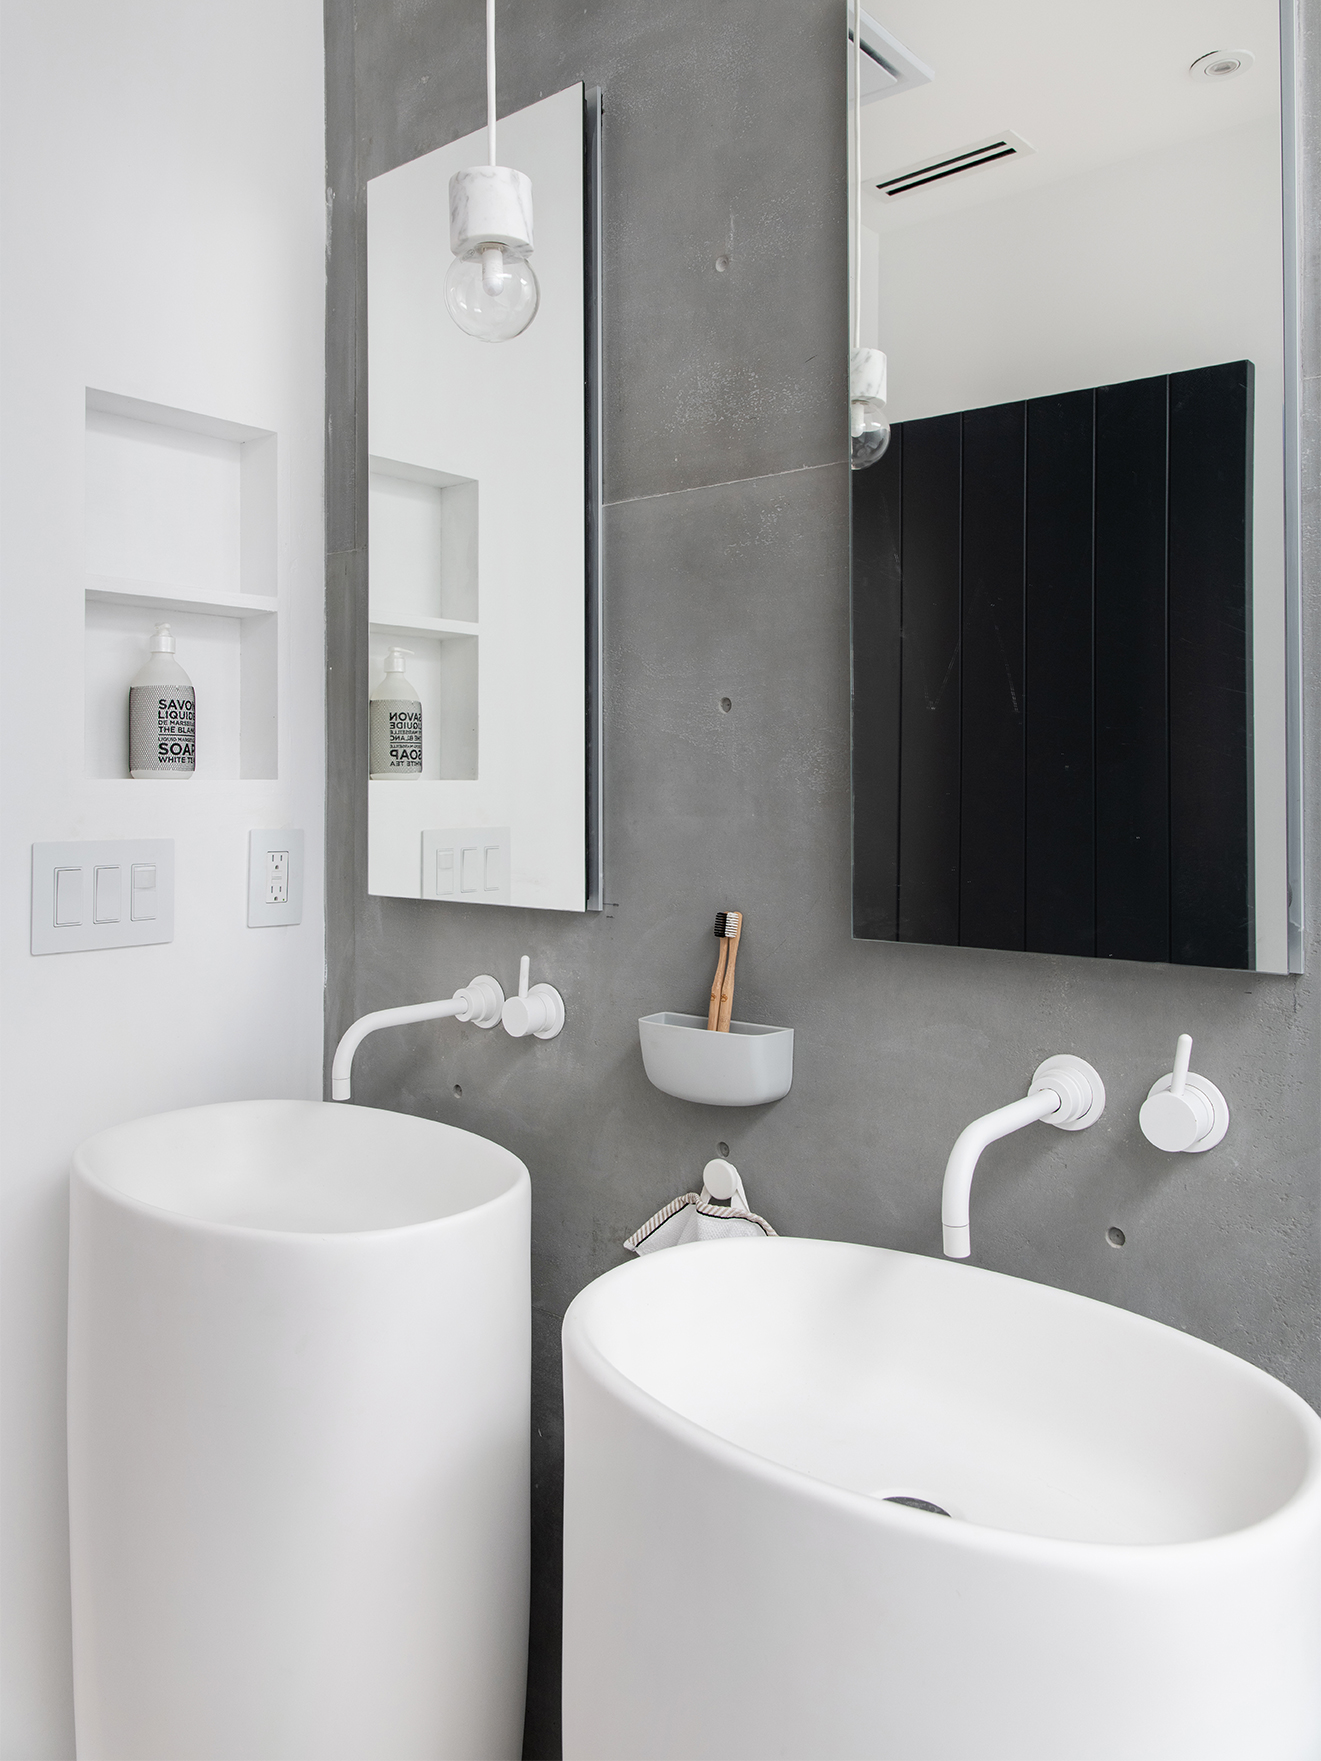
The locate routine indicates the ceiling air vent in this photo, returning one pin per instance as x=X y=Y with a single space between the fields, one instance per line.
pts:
x=888 y=68
x=975 y=158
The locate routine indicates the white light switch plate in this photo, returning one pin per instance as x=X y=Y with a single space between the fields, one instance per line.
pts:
x=102 y=893
x=275 y=878
x=470 y=865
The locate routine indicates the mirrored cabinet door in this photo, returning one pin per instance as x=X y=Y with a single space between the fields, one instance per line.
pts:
x=482 y=522
x=1071 y=631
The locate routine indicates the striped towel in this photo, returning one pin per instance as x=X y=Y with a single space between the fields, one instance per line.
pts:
x=695 y=1217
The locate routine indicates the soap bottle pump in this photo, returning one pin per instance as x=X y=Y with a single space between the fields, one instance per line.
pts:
x=394 y=722
x=162 y=714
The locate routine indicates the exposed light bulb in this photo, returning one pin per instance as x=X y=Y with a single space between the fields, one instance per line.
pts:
x=491 y=289
x=869 y=425
x=492 y=292
x=869 y=432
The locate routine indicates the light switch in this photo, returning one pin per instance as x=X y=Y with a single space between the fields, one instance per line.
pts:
x=68 y=897
x=144 y=892
x=467 y=862
x=275 y=878
x=107 y=893
x=94 y=893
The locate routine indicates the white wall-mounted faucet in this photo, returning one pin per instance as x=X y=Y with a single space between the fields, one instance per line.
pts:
x=539 y=1011
x=1183 y=1111
x=479 y=1002
x=1065 y=1091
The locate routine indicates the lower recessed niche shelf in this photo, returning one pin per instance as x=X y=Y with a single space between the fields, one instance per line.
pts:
x=230 y=655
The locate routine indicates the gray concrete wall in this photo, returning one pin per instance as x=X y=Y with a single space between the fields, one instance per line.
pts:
x=727 y=576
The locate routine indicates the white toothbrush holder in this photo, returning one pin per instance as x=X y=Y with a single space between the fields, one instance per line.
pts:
x=746 y=1067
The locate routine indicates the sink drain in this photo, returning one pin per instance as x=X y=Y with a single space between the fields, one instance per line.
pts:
x=910 y=1502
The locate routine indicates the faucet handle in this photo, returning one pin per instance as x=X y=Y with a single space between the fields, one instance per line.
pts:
x=539 y=1011
x=1183 y=1111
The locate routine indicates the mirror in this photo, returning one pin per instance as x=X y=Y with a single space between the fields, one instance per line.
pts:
x=1072 y=602
x=483 y=522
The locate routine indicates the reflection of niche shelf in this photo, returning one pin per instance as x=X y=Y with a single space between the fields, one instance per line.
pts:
x=436 y=629
x=180 y=528
x=442 y=669
x=423 y=590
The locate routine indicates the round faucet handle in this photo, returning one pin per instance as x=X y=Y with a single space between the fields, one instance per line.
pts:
x=540 y=1013
x=1190 y=1115
x=1176 y=1122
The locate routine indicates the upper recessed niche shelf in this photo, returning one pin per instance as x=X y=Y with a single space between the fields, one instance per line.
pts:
x=178 y=503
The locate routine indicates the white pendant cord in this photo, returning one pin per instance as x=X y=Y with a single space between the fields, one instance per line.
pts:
x=856 y=175
x=490 y=82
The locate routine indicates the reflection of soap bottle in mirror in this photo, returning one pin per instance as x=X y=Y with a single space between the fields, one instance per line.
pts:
x=394 y=721
x=162 y=712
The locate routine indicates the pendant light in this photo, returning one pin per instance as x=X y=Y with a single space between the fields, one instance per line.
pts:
x=491 y=288
x=869 y=426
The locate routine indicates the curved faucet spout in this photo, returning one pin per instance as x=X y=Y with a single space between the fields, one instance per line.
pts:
x=1065 y=1091
x=479 y=1002
x=963 y=1158
x=340 y=1085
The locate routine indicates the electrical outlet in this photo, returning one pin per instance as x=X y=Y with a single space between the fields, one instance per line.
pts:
x=275 y=878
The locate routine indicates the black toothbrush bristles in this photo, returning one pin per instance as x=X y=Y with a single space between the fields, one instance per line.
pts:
x=720 y=923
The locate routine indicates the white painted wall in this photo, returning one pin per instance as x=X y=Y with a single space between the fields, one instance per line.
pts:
x=1154 y=264
x=163 y=213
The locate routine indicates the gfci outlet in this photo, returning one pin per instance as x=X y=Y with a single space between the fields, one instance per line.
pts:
x=275 y=878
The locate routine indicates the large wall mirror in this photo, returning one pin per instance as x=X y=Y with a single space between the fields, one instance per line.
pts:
x=483 y=539
x=1074 y=566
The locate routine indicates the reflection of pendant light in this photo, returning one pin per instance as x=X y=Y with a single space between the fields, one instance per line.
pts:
x=491 y=290
x=869 y=427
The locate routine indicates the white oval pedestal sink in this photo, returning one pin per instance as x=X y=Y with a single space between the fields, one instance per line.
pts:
x=298 y=1438
x=1130 y=1566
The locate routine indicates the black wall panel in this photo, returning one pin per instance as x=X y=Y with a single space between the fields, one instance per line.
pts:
x=991 y=794
x=1132 y=707
x=1210 y=526
x=1052 y=675
x=1058 y=750
x=877 y=630
x=929 y=716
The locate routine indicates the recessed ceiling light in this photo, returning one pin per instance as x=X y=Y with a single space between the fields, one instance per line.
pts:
x=1222 y=64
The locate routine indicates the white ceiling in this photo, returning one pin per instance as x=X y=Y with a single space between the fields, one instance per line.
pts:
x=1086 y=82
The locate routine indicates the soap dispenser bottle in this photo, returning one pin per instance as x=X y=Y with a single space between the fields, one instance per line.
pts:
x=162 y=712
x=394 y=724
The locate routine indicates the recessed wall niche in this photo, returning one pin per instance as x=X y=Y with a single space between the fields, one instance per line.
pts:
x=180 y=527
x=423 y=573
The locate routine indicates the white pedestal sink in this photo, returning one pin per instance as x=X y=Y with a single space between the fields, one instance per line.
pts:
x=298 y=1438
x=1130 y=1567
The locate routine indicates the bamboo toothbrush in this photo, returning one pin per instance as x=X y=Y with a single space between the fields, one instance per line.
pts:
x=713 y=1014
x=733 y=933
